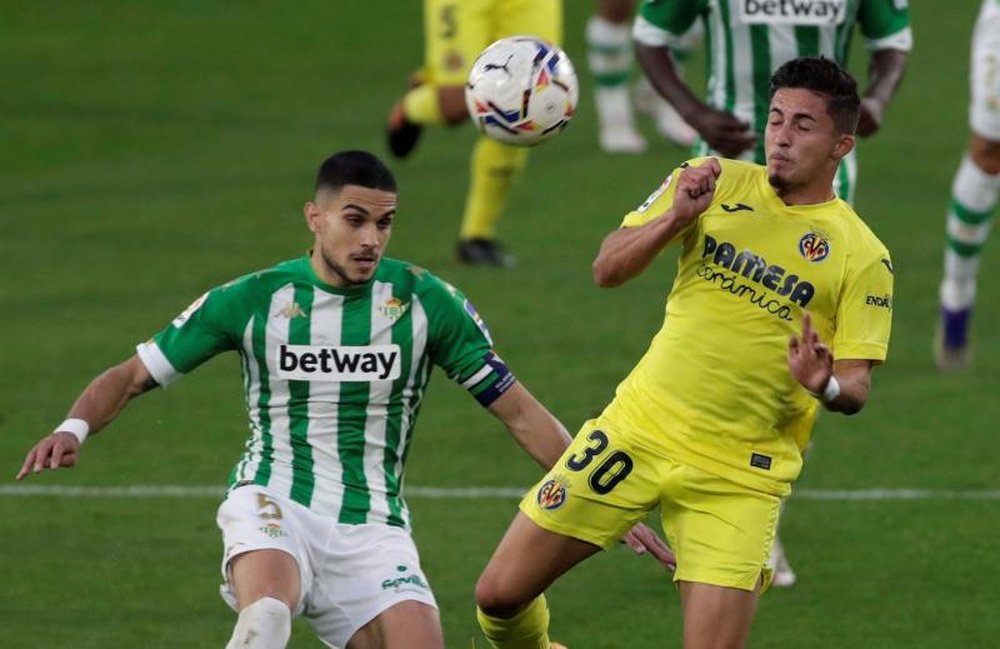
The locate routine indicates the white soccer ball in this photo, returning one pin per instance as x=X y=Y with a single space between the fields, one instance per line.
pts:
x=522 y=90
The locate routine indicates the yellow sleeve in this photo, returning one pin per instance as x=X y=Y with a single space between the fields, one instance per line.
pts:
x=864 y=315
x=660 y=200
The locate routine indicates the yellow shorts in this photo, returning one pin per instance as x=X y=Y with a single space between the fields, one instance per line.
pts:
x=456 y=31
x=604 y=483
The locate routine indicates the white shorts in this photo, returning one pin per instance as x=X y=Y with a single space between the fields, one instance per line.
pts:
x=984 y=81
x=349 y=573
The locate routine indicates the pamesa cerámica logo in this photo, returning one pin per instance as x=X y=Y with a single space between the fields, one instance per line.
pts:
x=749 y=265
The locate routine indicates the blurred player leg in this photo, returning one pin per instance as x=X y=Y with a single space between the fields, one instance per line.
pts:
x=609 y=55
x=970 y=217
x=495 y=166
x=784 y=576
x=973 y=195
x=494 y=169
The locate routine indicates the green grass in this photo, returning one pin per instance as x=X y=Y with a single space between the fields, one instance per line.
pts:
x=151 y=150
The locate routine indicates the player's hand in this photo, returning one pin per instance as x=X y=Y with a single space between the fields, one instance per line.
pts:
x=60 y=449
x=872 y=112
x=695 y=190
x=724 y=132
x=642 y=540
x=809 y=360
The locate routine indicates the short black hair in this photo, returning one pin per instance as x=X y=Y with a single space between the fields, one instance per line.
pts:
x=823 y=75
x=354 y=168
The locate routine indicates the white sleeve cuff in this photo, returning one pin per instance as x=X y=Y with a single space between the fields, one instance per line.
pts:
x=157 y=364
x=648 y=34
x=901 y=40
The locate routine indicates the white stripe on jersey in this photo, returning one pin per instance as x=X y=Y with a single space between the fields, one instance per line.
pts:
x=326 y=329
x=276 y=332
x=379 y=393
x=717 y=76
x=477 y=377
x=743 y=75
x=782 y=44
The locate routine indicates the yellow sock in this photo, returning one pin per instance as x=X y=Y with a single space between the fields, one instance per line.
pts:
x=529 y=629
x=421 y=106
x=494 y=167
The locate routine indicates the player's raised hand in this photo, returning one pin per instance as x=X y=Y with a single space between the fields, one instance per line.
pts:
x=809 y=360
x=642 y=540
x=695 y=190
x=60 y=449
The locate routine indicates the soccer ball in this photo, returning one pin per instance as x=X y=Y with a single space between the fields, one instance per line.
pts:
x=522 y=90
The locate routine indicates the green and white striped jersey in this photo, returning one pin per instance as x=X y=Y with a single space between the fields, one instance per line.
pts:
x=333 y=377
x=747 y=40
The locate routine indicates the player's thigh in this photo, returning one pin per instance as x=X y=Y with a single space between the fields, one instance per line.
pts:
x=410 y=624
x=265 y=539
x=455 y=32
x=984 y=81
x=362 y=572
x=527 y=561
x=720 y=531
x=542 y=18
x=715 y=616
x=601 y=486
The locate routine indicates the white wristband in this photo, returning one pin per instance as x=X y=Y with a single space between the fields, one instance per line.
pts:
x=830 y=392
x=78 y=427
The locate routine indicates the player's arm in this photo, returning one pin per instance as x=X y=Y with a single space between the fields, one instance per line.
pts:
x=723 y=131
x=885 y=26
x=841 y=385
x=885 y=72
x=98 y=405
x=534 y=428
x=627 y=252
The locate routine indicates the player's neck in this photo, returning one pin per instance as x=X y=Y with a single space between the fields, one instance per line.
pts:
x=811 y=194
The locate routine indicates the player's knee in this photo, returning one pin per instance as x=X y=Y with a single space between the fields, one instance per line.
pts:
x=986 y=154
x=452 y=102
x=265 y=624
x=496 y=600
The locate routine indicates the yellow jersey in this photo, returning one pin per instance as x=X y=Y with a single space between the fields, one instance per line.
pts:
x=714 y=389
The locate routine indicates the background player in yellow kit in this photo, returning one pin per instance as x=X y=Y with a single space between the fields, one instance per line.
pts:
x=455 y=32
x=782 y=302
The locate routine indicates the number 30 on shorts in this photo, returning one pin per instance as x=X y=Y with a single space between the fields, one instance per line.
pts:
x=611 y=470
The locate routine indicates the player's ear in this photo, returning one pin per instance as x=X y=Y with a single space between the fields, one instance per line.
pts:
x=313 y=215
x=844 y=145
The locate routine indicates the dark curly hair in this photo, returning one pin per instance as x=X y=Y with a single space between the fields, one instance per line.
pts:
x=823 y=75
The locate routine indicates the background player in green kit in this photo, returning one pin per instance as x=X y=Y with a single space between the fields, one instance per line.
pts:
x=747 y=40
x=336 y=350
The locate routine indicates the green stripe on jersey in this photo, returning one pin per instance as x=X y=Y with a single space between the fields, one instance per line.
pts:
x=807 y=40
x=351 y=416
x=303 y=479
